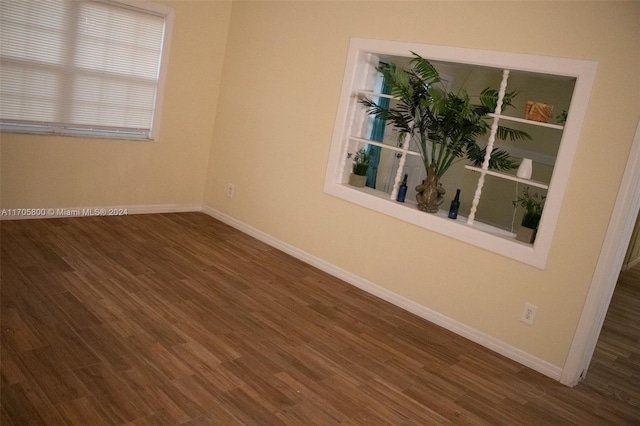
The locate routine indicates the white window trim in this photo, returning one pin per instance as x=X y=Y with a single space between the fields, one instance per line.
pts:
x=59 y=129
x=480 y=235
x=169 y=16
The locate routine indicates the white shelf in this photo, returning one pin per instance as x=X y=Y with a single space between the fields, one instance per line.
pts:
x=492 y=115
x=508 y=177
x=380 y=144
x=372 y=93
x=523 y=120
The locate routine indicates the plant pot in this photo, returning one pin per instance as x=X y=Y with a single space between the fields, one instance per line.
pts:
x=430 y=192
x=357 y=180
x=526 y=235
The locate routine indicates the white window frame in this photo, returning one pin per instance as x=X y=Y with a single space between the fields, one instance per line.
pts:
x=64 y=129
x=362 y=59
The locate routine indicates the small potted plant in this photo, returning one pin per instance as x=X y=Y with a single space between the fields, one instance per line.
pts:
x=361 y=160
x=562 y=117
x=533 y=205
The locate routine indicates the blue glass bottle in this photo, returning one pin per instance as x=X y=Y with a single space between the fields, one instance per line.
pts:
x=455 y=205
x=402 y=191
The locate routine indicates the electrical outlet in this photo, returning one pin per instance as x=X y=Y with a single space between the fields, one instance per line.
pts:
x=529 y=313
x=230 y=190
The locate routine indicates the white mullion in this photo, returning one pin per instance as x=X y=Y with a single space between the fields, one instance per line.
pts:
x=346 y=145
x=401 y=163
x=365 y=63
x=490 y=142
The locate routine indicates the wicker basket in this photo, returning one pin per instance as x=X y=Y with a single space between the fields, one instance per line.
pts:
x=537 y=111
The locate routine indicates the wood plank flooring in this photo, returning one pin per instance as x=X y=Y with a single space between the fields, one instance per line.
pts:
x=178 y=319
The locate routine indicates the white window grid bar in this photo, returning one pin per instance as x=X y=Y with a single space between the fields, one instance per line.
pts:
x=484 y=170
x=490 y=142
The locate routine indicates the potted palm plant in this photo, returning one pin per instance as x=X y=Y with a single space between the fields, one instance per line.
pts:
x=445 y=126
x=532 y=205
x=361 y=160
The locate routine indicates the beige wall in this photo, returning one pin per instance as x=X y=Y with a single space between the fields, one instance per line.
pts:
x=280 y=87
x=269 y=109
x=62 y=172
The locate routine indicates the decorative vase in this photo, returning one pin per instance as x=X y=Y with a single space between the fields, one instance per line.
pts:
x=357 y=180
x=525 y=169
x=430 y=192
x=526 y=235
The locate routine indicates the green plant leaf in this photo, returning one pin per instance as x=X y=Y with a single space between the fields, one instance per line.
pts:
x=425 y=69
x=511 y=134
x=500 y=160
x=444 y=126
x=489 y=100
x=533 y=205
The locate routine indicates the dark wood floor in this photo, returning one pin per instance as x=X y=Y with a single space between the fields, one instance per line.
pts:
x=179 y=319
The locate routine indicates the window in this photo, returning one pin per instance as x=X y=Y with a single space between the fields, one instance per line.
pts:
x=487 y=216
x=92 y=68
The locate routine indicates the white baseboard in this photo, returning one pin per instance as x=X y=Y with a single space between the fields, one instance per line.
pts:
x=64 y=212
x=460 y=329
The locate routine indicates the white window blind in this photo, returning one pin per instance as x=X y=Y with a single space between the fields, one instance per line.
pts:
x=79 y=67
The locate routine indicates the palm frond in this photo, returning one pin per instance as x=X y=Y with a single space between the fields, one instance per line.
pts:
x=425 y=69
x=500 y=160
x=507 y=133
x=489 y=100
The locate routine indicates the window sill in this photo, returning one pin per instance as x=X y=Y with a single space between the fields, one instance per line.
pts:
x=102 y=136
